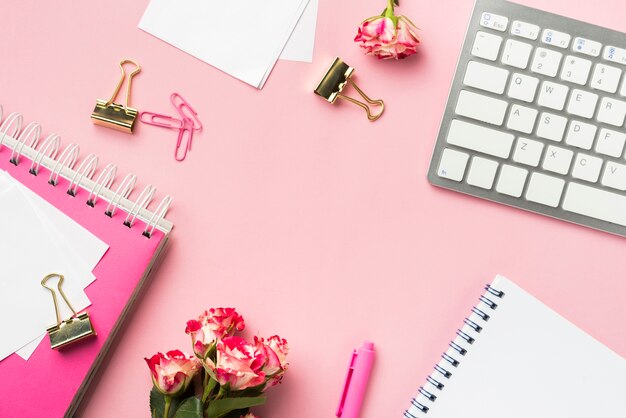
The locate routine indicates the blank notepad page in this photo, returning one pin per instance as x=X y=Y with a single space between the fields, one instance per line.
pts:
x=527 y=361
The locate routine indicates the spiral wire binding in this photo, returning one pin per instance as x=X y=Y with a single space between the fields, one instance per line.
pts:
x=123 y=190
x=428 y=396
x=54 y=141
x=159 y=213
x=142 y=202
x=33 y=130
x=86 y=169
x=105 y=179
x=26 y=142
x=67 y=159
x=14 y=120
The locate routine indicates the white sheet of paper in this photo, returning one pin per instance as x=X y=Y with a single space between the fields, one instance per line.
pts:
x=87 y=248
x=243 y=38
x=302 y=40
x=26 y=256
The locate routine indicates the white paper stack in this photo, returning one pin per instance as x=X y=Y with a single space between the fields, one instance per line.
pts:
x=37 y=239
x=243 y=38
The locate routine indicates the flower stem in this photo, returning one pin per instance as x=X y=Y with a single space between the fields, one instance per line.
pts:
x=166 y=410
x=390 y=5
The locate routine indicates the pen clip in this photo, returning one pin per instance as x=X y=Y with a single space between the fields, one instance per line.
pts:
x=346 y=385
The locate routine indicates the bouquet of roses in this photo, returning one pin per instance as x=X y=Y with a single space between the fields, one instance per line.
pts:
x=226 y=375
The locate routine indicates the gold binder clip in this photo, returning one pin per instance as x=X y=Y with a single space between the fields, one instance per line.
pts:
x=72 y=329
x=113 y=115
x=336 y=79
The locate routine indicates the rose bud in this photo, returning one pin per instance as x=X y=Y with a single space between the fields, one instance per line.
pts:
x=172 y=372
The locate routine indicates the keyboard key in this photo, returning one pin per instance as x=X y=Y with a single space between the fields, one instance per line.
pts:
x=523 y=87
x=545 y=189
x=587 y=47
x=555 y=38
x=491 y=21
x=557 y=160
x=486 y=45
x=580 y=134
x=587 y=167
x=546 y=62
x=551 y=127
x=479 y=107
x=482 y=172
x=614 y=176
x=511 y=181
x=528 y=152
x=486 y=77
x=605 y=78
x=623 y=90
x=481 y=139
x=576 y=70
x=452 y=164
x=516 y=54
x=552 y=95
x=525 y=30
x=522 y=118
x=615 y=54
x=582 y=103
x=596 y=203
x=612 y=111
x=610 y=143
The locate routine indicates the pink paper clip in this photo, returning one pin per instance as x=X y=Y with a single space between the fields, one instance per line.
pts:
x=183 y=108
x=163 y=121
x=186 y=132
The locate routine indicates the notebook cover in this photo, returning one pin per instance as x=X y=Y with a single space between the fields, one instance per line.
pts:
x=47 y=383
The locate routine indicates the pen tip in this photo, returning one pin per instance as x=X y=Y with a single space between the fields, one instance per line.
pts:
x=368 y=345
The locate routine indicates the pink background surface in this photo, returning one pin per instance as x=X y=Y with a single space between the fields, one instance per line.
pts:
x=313 y=222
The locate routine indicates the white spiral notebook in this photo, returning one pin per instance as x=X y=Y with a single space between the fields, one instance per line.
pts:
x=516 y=358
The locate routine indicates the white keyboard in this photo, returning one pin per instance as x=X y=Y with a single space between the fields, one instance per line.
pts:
x=535 y=117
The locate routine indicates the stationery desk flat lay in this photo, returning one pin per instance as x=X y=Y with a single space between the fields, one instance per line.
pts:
x=308 y=217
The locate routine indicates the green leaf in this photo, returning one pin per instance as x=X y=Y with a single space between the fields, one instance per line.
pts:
x=157 y=404
x=220 y=407
x=189 y=408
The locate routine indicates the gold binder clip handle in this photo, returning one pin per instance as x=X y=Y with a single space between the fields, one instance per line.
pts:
x=376 y=102
x=54 y=295
x=75 y=328
x=130 y=81
x=334 y=82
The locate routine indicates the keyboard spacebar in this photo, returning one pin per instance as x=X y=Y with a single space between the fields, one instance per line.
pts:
x=596 y=203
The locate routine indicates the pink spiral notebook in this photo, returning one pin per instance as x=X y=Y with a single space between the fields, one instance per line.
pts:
x=52 y=380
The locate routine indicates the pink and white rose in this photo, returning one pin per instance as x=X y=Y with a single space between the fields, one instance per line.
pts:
x=212 y=325
x=172 y=372
x=238 y=364
x=275 y=350
x=388 y=36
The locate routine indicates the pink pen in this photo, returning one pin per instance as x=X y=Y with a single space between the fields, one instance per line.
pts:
x=356 y=381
